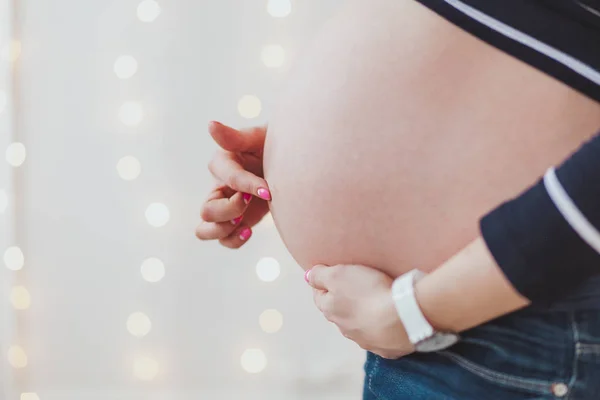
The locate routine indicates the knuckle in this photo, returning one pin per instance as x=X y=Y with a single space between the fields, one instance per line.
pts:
x=335 y=273
x=238 y=206
x=316 y=299
x=328 y=313
x=329 y=316
x=318 y=304
x=233 y=180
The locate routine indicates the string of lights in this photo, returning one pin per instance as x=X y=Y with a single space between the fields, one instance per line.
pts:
x=131 y=114
x=15 y=155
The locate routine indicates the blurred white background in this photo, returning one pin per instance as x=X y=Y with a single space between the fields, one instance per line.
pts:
x=111 y=171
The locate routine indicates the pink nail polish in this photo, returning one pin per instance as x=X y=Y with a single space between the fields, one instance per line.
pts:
x=247 y=197
x=245 y=234
x=264 y=193
x=307 y=276
x=237 y=220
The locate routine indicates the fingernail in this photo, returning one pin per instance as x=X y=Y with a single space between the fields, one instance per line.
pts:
x=247 y=197
x=264 y=193
x=245 y=234
x=307 y=276
x=215 y=123
x=237 y=220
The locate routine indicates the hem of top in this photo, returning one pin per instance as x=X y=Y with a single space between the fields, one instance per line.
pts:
x=533 y=58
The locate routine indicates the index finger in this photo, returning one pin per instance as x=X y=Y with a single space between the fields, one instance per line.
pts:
x=238 y=140
x=226 y=167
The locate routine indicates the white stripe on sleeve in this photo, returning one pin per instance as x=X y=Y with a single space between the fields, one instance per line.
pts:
x=569 y=210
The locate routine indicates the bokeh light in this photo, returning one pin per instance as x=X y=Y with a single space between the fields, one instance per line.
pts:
x=153 y=269
x=11 y=51
x=20 y=298
x=129 y=168
x=271 y=321
x=131 y=113
x=157 y=214
x=148 y=10
x=267 y=269
x=17 y=357
x=145 y=368
x=16 y=154
x=279 y=8
x=253 y=361
x=273 y=56
x=125 y=67
x=138 y=324
x=249 y=106
x=14 y=258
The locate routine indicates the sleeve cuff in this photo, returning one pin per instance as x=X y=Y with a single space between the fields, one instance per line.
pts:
x=538 y=251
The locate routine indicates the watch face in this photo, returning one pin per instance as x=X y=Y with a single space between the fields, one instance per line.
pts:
x=439 y=341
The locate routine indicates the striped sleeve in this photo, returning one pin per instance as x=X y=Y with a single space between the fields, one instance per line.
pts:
x=547 y=240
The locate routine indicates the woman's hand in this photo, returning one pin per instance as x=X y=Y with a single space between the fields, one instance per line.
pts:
x=358 y=300
x=230 y=211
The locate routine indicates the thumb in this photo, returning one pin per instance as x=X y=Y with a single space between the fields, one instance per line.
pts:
x=318 y=277
x=238 y=141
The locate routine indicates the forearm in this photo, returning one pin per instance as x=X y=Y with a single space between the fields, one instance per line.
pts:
x=467 y=290
x=531 y=248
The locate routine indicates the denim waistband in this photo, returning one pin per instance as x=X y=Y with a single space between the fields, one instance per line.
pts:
x=530 y=354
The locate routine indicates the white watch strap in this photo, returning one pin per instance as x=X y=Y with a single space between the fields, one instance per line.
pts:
x=409 y=311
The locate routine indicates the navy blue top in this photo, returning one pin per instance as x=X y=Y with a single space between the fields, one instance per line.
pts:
x=545 y=255
x=542 y=255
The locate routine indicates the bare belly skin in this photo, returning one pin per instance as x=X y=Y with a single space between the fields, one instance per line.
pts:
x=397 y=131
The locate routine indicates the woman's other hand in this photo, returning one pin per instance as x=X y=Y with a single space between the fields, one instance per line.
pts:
x=359 y=301
x=231 y=210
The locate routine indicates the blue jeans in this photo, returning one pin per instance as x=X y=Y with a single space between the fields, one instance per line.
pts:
x=530 y=354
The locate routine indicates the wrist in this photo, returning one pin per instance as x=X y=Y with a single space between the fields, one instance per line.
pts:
x=434 y=307
x=423 y=336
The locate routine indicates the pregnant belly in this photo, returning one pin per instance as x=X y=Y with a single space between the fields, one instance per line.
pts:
x=396 y=131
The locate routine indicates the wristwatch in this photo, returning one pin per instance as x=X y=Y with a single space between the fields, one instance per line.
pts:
x=420 y=332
